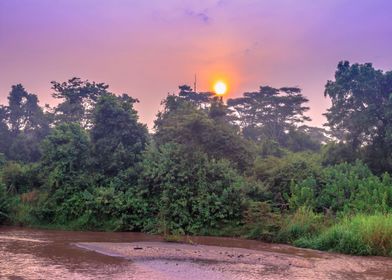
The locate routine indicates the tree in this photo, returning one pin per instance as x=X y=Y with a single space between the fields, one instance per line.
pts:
x=27 y=123
x=269 y=113
x=298 y=140
x=117 y=136
x=183 y=122
x=316 y=134
x=78 y=100
x=361 y=111
x=4 y=132
x=24 y=112
x=200 y=99
x=26 y=147
x=66 y=157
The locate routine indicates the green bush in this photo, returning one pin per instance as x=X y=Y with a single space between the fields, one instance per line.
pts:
x=278 y=174
x=66 y=158
x=345 y=189
x=187 y=192
x=20 y=178
x=303 y=194
x=99 y=208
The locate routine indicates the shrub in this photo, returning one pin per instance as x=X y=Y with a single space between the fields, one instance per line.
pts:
x=278 y=174
x=187 y=192
x=19 y=178
x=98 y=208
x=302 y=194
x=344 y=189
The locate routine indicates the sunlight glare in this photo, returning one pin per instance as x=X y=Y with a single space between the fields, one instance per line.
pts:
x=220 y=88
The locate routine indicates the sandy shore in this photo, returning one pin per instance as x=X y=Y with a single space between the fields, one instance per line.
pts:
x=159 y=260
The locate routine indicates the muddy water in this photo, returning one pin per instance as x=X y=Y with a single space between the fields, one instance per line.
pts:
x=44 y=254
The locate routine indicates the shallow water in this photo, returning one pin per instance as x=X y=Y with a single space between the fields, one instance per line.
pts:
x=46 y=254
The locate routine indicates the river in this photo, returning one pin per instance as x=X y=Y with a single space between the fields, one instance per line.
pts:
x=52 y=254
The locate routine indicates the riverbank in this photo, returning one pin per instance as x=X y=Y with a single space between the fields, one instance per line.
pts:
x=52 y=254
x=361 y=235
x=185 y=261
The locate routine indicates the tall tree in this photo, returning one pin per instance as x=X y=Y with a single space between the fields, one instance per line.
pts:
x=78 y=100
x=27 y=122
x=361 y=111
x=270 y=112
x=4 y=132
x=23 y=111
x=117 y=136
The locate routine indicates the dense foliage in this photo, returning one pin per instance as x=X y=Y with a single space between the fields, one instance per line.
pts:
x=117 y=137
x=187 y=192
x=361 y=112
x=249 y=168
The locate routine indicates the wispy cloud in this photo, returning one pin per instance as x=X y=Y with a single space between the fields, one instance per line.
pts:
x=201 y=16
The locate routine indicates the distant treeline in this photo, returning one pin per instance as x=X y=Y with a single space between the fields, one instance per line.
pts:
x=248 y=167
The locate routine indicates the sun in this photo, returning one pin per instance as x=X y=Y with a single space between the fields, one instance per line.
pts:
x=220 y=88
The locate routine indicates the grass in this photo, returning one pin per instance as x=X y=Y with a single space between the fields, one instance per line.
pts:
x=359 y=235
x=304 y=223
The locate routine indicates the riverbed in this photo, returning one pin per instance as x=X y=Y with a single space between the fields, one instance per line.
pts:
x=51 y=254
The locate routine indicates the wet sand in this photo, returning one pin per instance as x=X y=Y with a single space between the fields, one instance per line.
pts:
x=48 y=254
x=191 y=262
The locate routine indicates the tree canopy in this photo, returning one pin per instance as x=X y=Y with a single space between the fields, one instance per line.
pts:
x=361 y=111
x=25 y=122
x=181 y=121
x=117 y=137
x=270 y=112
x=78 y=99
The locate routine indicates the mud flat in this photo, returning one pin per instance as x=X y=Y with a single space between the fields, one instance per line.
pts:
x=160 y=260
x=32 y=254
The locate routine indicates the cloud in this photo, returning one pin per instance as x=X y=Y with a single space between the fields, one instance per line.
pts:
x=201 y=16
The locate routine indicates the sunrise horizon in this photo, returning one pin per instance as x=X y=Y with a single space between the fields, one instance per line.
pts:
x=195 y=139
x=149 y=49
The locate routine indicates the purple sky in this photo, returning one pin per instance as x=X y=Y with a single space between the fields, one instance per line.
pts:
x=147 y=48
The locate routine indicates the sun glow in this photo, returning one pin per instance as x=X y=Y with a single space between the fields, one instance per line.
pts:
x=220 y=88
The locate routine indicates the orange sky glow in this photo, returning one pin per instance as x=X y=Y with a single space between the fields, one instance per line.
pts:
x=148 y=48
